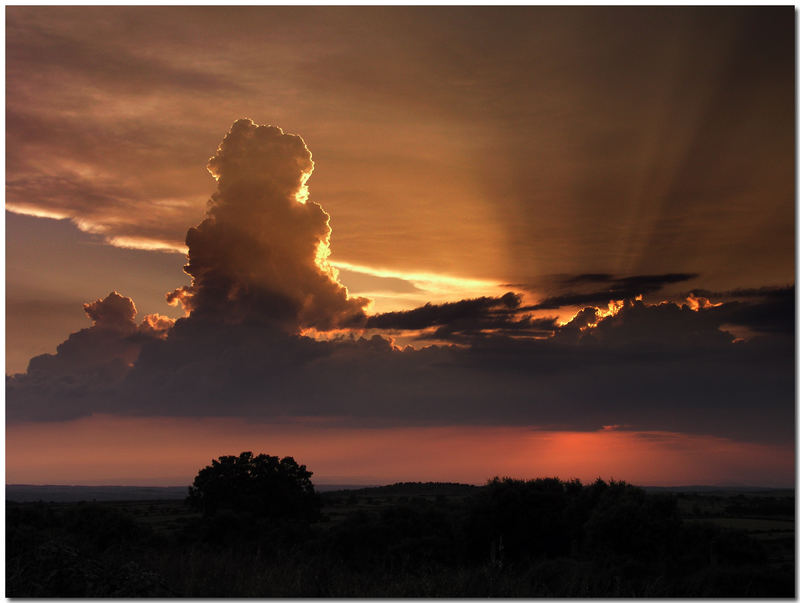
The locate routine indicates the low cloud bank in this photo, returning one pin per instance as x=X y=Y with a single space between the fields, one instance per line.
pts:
x=659 y=366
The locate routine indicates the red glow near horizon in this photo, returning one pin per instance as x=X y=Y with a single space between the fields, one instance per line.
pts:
x=169 y=451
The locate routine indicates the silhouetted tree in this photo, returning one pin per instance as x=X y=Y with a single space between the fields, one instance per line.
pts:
x=262 y=485
x=628 y=521
x=523 y=518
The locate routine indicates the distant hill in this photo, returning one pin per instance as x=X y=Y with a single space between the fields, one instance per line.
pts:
x=457 y=489
x=26 y=493
x=722 y=490
x=29 y=493
x=412 y=489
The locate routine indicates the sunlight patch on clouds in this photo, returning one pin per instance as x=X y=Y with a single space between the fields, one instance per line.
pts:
x=700 y=303
x=36 y=212
x=430 y=287
x=97 y=228
x=147 y=244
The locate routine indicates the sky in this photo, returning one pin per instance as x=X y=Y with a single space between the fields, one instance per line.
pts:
x=401 y=243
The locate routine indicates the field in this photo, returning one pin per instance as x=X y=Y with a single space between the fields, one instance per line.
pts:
x=767 y=516
x=544 y=538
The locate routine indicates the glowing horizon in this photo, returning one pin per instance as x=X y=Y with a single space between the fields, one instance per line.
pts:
x=386 y=456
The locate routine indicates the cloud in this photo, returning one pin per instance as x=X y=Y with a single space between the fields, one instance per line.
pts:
x=90 y=350
x=97 y=202
x=444 y=314
x=113 y=312
x=613 y=288
x=88 y=366
x=114 y=339
x=260 y=255
x=753 y=292
x=124 y=68
x=659 y=366
x=649 y=366
x=156 y=325
x=466 y=319
x=637 y=322
x=771 y=312
x=378 y=284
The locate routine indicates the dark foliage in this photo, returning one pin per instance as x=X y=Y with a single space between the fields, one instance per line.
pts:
x=260 y=486
x=762 y=506
x=510 y=538
x=78 y=550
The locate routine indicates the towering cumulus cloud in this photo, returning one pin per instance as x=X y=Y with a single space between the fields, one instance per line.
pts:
x=260 y=255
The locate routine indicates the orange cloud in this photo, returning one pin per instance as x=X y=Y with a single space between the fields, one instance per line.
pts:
x=261 y=254
x=115 y=311
x=157 y=325
x=700 y=303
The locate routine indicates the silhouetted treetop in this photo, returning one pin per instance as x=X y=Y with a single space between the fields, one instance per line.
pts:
x=262 y=485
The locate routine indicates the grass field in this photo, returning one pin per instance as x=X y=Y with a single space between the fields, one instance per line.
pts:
x=421 y=540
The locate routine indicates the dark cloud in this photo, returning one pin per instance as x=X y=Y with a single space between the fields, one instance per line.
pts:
x=260 y=256
x=86 y=367
x=613 y=288
x=642 y=282
x=758 y=292
x=650 y=366
x=494 y=326
x=638 y=323
x=465 y=320
x=431 y=315
x=773 y=312
x=113 y=339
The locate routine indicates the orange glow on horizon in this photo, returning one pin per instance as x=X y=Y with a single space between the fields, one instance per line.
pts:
x=169 y=451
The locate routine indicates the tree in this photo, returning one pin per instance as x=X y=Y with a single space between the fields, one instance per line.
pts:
x=262 y=485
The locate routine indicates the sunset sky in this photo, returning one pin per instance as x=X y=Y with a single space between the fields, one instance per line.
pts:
x=424 y=243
